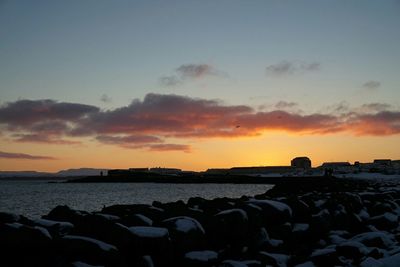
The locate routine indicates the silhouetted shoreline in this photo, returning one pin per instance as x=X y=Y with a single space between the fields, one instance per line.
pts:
x=196 y=179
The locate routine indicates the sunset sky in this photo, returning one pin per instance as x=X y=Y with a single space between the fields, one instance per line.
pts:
x=197 y=84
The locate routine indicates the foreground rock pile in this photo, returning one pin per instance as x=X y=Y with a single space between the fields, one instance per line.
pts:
x=303 y=225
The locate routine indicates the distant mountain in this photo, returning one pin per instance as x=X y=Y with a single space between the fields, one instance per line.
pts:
x=4 y=174
x=60 y=174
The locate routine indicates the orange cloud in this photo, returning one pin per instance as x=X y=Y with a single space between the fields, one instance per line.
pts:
x=149 y=123
x=9 y=155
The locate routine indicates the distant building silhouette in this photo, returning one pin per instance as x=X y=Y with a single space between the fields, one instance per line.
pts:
x=383 y=162
x=301 y=162
x=169 y=171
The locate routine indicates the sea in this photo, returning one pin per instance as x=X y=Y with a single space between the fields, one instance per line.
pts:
x=36 y=198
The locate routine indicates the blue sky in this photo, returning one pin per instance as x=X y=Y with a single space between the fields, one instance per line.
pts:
x=80 y=50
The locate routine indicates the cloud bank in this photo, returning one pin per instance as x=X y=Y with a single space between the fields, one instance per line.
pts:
x=8 y=155
x=152 y=122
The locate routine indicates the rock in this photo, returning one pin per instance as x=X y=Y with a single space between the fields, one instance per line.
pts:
x=363 y=214
x=301 y=210
x=108 y=217
x=346 y=221
x=22 y=245
x=371 y=262
x=232 y=263
x=136 y=220
x=153 y=241
x=155 y=214
x=196 y=202
x=375 y=239
x=281 y=231
x=16 y=234
x=252 y=263
x=274 y=259
x=274 y=212
x=102 y=228
x=204 y=258
x=352 y=250
x=300 y=232
x=83 y=264
x=320 y=224
x=306 y=264
x=258 y=238
x=352 y=202
x=216 y=205
x=385 y=221
x=7 y=217
x=392 y=261
x=254 y=214
x=92 y=251
x=376 y=253
x=56 y=228
x=175 y=209
x=65 y=214
x=186 y=233
x=229 y=226
x=380 y=208
x=145 y=261
x=325 y=257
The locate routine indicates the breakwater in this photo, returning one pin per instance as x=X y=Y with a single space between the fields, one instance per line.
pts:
x=331 y=222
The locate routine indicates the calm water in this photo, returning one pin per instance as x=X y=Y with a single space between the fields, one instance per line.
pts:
x=36 y=198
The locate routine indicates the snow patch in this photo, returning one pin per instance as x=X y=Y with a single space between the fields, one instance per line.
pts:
x=149 y=231
x=203 y=256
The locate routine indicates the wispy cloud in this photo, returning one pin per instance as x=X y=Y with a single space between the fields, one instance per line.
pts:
x=152 y=122
x=195 y=71
x=190 y=72
x=284 y=68
x=22 y=156
x=170 y=147
x=283 y=105
x=105 y=98
x=170 y=81
x=371 y=85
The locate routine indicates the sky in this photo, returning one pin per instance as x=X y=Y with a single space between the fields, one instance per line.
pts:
x=197 y=84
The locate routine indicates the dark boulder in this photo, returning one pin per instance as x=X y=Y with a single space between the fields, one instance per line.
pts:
x=385 y=221
x=274 y=212
x=56 y=228
x=7 y=217
x=136 y=220
x=92 y=251
x=273 y=259
x=229 y=226
x=153 y=241
x=204 y=258
x=375 y=239
x=104 y=229
x=325 y=257
x=258 y=239
x=22 y=245
x=155 y=214
x=186 y=233
x=65 y=214
x=300 y=210
x=352 y=250
x=232 y=263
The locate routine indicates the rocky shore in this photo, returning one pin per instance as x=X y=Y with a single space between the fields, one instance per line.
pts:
x=326 y=222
